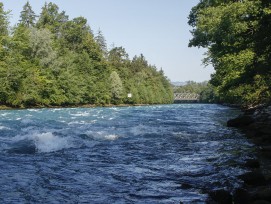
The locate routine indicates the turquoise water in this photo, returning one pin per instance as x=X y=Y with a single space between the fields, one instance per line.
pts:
x=150 y=154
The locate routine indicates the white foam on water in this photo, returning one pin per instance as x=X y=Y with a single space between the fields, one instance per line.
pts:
x=182 y=134
x=47 y=142
x=4 y=128
x=5 y=114
x=102 y=135
x=111 y=137
x=55 y=109
x=80 y=114
x=77 y=122
x=27 y=121
x=33 y=110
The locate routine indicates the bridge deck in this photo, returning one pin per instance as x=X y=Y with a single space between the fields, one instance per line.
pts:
x=186 y=97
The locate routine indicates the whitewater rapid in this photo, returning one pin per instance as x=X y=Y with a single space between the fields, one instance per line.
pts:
x=150 y=154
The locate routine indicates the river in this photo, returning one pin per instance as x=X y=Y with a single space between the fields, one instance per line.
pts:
x=147 y=154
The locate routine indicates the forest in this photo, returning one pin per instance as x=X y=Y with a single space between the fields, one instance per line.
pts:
x=51 y=60
x=237 y=36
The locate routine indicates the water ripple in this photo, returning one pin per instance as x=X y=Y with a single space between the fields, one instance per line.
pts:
x=151 y=154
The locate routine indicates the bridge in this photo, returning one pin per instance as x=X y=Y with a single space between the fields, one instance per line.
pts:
x=186 y=98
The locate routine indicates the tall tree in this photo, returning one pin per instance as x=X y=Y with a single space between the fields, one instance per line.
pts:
x=74 y=32
x=100 y=40
x=27 y=16
x=59 y=62
x=4 y=39
x=232 y=31
x=51 y=18
x=3 y=21
x=116 y=87
x=41 y=46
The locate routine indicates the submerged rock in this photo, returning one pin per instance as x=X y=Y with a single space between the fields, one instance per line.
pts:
x=262 y=194
x=256 y=124
x=220 y=196
x=186 y=186
x=240 y=121
x=252 y=163
x=255 y=178
x=261 y=202
x=241 y=196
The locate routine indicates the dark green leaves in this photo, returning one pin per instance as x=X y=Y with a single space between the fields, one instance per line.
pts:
x=234 y=32
x=57 y=62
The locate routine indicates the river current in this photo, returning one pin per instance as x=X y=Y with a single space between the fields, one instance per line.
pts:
x=148 y=154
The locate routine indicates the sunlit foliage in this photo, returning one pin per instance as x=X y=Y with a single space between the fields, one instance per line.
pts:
x=54 y=61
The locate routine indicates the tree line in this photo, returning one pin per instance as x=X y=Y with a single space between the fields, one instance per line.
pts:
x=50 y=60
x=237 y=35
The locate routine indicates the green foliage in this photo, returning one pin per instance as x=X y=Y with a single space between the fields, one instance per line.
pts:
x=3 y=21
x=100 y=40
x=28 y=16
x=40 y=41
x=116 y=87
x=205 y=90
x=3 y=32
x=237 y=36
x=59 y=62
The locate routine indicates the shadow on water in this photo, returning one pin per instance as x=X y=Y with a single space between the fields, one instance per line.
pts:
x=22 y=147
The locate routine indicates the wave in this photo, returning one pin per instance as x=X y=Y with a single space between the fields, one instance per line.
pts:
x=102 y=135
x=27 y=121
x=4 y=128
x=146 y=129
x=34 y=110
x=47 y=142
x=5 y=114
x=80 y=114
x=77 y=122
x=39 y=143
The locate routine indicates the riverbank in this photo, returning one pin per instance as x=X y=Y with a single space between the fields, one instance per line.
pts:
x=256 y=124
x=3 y=107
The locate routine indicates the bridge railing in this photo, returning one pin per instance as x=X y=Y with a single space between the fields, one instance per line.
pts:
x=186 y=97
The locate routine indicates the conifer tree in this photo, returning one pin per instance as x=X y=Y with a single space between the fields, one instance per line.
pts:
x=100 y=40
x=27 y=16
x=3 y=21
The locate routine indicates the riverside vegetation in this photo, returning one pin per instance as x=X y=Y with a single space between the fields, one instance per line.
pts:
x=54 y=61
x=237 y=35
x=51 y=60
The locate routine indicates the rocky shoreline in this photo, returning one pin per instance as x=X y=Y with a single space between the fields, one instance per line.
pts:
x=256 y=124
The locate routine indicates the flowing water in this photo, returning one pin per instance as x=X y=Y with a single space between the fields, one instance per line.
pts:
x=150 y=154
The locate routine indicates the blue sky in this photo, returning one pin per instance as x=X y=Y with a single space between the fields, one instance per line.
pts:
x=156 y=28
